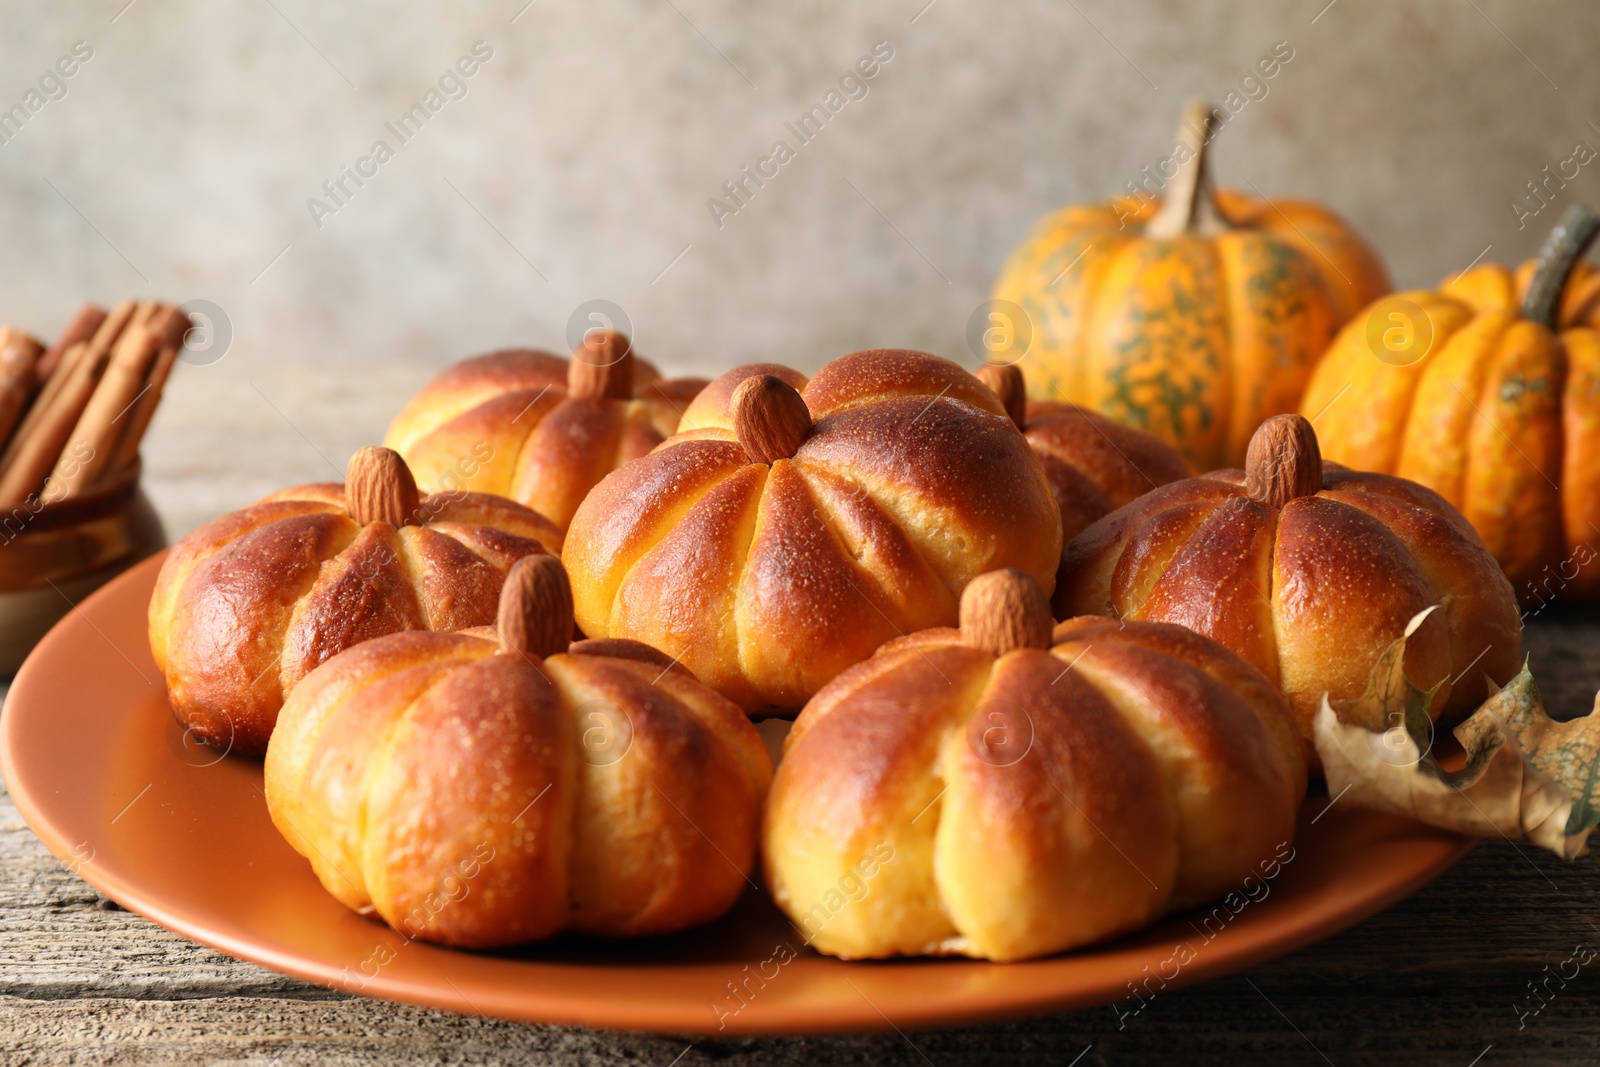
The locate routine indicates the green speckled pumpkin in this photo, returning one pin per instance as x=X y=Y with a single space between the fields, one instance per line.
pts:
x=1195 y=317
x=1498 y=411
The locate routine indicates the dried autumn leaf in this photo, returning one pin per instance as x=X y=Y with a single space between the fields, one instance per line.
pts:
x=1526 y=777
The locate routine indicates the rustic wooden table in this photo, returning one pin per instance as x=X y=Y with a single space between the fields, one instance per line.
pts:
x=1443 y=978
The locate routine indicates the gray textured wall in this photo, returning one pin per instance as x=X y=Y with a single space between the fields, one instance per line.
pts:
x=579 y=162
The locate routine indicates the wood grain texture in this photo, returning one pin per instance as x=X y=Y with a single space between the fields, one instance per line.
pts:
x=1435 y=980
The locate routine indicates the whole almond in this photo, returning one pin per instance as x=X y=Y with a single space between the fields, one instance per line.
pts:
x=535 y=616
x=1007 y=384
x=1283 y=461
x=602 y=366
x=1005 y=610
x=769 y=417
x=378 y=487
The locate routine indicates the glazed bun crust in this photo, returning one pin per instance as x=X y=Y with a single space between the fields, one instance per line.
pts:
x=470 y=382
x=247 y=605
x=1014 y=807
x=481 y=798
x=1312 y=592
x=711 y=406
x=506 y=423
x=1096 y=465
x=767 y=580
x=890 y=373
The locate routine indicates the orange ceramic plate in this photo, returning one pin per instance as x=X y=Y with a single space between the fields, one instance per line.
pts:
x=101 y=773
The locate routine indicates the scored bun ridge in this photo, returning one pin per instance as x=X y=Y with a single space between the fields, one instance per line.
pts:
x=506 y=423
x=1310 y=592
x=479 y=798
x=249 y=603
x=768 y=579
x=1015 y=806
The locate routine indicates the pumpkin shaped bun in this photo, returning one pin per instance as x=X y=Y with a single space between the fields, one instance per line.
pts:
x=1308 y=571
x=494 y=786
x=1094 y=465
x=1489 y=396
x=1009 y=791
x=1194 y=316
x=536 y=428
x=791 y=527
x=248 y=604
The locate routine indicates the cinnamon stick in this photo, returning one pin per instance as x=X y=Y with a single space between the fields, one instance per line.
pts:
x=81 y=328
x=144 y=312
x=38 y=440
x=137 y=421
x=19 y=360
x=88 y=449
x=171 y=325
x=97 y=348
x=48 y=426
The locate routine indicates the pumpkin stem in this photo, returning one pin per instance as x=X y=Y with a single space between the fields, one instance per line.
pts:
x=1007 y=384
x=769 y=417
x=1005 y=610
x=1190 y=205
x=1557 y=257
x=1283 y=461
x=535 y=614
x=378 y=487
x=602 y=366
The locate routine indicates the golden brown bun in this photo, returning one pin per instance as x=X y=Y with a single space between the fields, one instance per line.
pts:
x=936 y=799
x=1310 y=592
x=248 y=604
x=1095 y=464
x=481 y=798
x=506 y=423
x=768 y=580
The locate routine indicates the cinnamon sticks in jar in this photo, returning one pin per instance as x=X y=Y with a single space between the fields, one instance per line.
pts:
x=72 y=415
x=19 y=371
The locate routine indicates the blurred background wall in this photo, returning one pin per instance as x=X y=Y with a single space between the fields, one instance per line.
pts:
x=577 y=160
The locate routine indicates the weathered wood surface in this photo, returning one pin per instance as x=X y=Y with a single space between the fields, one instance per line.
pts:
x=1439 y=979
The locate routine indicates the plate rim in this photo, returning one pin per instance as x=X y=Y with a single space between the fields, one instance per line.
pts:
x=550 y=1008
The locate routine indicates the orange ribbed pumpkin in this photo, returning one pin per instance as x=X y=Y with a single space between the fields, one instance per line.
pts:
x=1196 y=321
x=1487 y=391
